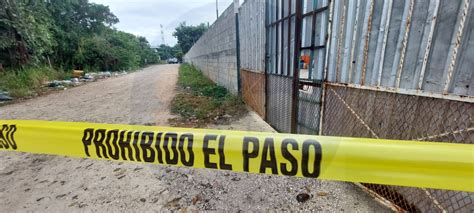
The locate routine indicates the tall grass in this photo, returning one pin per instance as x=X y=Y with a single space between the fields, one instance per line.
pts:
x=193 y=79
x=23 y=82
x=189 y=76
x=201 y=101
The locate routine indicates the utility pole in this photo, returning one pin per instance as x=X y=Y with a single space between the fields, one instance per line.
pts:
x=217 y=9
x=162 y=35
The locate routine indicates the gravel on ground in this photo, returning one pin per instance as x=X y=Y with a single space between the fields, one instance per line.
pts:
x=47 y=183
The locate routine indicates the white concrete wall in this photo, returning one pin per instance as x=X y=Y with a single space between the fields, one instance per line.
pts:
x=215 y=52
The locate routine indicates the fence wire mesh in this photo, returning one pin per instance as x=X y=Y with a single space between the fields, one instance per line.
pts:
x=376 y=114
x=309 y=106
x=279 y=93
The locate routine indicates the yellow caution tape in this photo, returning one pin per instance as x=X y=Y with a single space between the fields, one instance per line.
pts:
x=391 y=162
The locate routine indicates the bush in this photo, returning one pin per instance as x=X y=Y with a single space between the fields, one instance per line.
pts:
x=201 y=101
x=190 y=77
x=217 y=92
x=23 y=82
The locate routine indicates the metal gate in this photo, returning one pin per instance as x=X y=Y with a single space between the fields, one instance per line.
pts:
x=370 y=105
x=294 y=75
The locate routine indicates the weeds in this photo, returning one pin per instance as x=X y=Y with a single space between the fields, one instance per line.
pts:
x=191 y=78
x=24 y=82
x=200 y=101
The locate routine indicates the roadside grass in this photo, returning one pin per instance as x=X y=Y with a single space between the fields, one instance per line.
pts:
x=25 y=82
x=200 y=102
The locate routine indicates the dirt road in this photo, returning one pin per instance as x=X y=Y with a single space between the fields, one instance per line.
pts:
x=50 y=183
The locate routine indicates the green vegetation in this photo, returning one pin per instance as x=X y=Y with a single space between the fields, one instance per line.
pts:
x=43 y=40
x=200 y=101
x=190 y=77
x=69 y=34
x=23 y=82
x=165 y=52
x=188 y=35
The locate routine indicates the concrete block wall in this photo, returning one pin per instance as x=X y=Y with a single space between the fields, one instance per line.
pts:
x=215 y=52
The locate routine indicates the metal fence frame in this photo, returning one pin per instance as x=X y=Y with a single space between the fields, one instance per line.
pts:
x=370 y=54
x=348 y=44
x=284 y=48
x=281 y=69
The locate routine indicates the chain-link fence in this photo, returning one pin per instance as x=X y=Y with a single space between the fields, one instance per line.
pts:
x=309 y=107
x=279 y=101
x=376 y=114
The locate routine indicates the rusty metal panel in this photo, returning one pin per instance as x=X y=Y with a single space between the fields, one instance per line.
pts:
x=445 y=31
x=463 y=75
x=357 y=112
x=415 y=46
x=374 y=33
x=253 y=90
x=360 y=44
x=394 y=36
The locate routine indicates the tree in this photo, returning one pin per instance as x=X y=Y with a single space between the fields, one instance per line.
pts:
x=114 y=50
x=177 y=52
x=167 y=52
x=73 y=33
x=74 y=20
x=147 y=55
x=188 y=35
x=24 y=32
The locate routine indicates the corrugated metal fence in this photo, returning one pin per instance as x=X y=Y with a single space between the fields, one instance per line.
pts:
x=424 y=45
x=252 y=35
x=396 y=69
x=252 y=54
x=403 y=70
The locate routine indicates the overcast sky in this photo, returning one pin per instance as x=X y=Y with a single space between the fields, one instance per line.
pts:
x=143 y=17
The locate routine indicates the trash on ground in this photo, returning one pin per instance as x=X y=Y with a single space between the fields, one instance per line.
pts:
x=77 y=73
x=79 y=78
x=117 y=74
x=5 y=96
x=102 y=75
x=303 y=197
x=322 y=194
x=61 y=84
x=88 y=76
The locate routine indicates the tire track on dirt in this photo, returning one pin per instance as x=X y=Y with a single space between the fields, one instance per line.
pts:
x=49 y=183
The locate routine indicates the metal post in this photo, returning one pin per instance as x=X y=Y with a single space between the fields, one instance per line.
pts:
x=217 y=9
x=313 y=40
x=267 y=52
x=288 y=55
x=282 y=34
x=296 y=56
x=237 y=43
